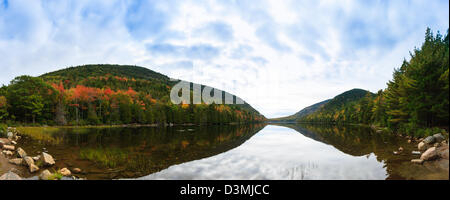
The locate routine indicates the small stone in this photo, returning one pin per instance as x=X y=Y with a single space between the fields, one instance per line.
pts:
x=409 y=141
x=8 y=153
x=14 y=142
x=16 y=161
x=33 y=168
x=29 y=161
x=76 y=170
x=9 y=147
x=437 y=144
x=400 y=149
x=21 y=153
x=422 y=146
x=65 y=172
x=416 y=152
x=417 y=161
x=396 y=153
x=429 y=154
x=45 y=175
x=36 y=158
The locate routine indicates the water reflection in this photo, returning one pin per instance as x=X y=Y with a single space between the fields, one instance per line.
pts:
x=278 y=153
x=302 y=152
x=109 y=153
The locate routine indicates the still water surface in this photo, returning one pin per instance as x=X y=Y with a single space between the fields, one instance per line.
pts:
x=283 y=151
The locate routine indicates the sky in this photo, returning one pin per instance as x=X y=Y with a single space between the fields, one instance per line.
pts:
x=279 y=56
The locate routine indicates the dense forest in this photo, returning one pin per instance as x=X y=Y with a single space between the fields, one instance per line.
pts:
x=415 y=101
x=108 y=94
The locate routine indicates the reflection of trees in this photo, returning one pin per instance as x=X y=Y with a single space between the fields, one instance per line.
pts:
x=140 y=151
x=360 y=141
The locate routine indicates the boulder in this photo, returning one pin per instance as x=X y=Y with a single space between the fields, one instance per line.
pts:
x=8 y=147
x=429 y=140
x=21 y=153
x=45 y=175
x=16 y=161
x=438 y=137
x=47 y=159
x=10 y=176
x=29 y=161
x=443 y=151
x=422 y=146
x=417 y=161
x=429 y=154
x=65 y=172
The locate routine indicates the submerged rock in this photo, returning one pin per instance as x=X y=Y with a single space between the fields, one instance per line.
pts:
x=16 y=161
x=417 y=161
x=10 y=176
x=429 y=154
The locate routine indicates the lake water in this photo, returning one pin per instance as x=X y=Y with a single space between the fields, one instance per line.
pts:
x=283 y=151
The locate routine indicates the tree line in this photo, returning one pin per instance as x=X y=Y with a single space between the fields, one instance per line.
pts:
x=415 y=100
x=111 y=98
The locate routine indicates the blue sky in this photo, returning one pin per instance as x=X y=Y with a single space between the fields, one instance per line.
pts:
x=279 y=56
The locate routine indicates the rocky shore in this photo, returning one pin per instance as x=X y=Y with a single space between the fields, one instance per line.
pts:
x=12 y=155
x=432 y=148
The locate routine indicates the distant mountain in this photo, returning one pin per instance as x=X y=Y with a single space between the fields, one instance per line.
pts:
x=304 y=112
x=327 y=107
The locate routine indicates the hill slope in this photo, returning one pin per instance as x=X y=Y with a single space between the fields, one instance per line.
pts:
x=302 y=113
x=331 y=111
x=111 y=94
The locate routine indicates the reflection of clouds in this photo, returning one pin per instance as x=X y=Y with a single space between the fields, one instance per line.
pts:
x=278 y=153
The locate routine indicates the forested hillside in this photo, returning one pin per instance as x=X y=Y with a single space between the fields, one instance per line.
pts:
x=302 y=113
x=343 y=107
x=108 y=94
x=415 y=101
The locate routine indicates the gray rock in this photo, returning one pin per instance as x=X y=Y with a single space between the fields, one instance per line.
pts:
x=47 y=159
x=438 y=137
x=21 y=153
x=429 y=140
x=10 y=176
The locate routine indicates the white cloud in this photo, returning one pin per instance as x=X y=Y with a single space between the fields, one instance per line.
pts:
x=278 y=56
